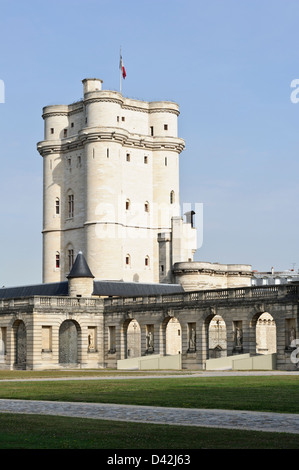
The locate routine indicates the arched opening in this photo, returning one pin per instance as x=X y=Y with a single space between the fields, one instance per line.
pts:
x=20 y=344
x=217 y=338
x=69 y=333
x=173 y=336
x=265 y=331
x=133 y=339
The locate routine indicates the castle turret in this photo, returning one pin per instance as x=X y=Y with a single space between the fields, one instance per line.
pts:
x=80 y=278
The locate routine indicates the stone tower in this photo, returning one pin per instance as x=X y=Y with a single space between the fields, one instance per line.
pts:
x=111 y=188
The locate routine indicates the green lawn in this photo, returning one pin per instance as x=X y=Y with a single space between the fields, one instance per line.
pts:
x=259 y=393
x=19 y=431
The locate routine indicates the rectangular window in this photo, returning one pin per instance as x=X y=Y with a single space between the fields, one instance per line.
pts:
x=165 y=127
x=64 y=132
x=71 y=205
x=145 y=159
x=57 y=261
x=152 y=130
x=52 y=130
x=70 y=258
x=107 y=153
x=72 y=124
x=128 y=157
x=57 y=206
x=165 y=161
x=123 y=118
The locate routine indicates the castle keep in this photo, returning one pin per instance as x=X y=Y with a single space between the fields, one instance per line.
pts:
x=111 y=188
x=120 y=287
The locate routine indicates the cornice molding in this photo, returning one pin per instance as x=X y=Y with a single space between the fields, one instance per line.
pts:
x=125 y=139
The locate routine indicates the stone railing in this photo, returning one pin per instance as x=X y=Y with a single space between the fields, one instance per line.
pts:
x=51 y=302
x=237 y=294
x=245 y=293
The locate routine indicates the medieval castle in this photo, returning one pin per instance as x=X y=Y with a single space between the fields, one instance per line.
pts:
x=119 y=280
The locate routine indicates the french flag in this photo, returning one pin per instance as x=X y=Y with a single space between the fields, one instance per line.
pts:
x=122 y=67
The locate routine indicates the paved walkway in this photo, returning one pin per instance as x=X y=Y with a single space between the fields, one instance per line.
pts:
x=244 y=420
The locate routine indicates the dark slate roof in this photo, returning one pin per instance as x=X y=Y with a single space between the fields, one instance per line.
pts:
x=80 y=267
x=103 y=288
x=55 y=288
x=133 y=289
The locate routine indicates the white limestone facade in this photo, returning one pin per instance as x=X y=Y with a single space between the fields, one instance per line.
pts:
x=111 y=188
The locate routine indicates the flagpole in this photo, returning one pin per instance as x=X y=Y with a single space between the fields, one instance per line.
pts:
x=120 y=70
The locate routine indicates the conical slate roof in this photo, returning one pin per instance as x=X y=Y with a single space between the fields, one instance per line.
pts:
x=80 y=267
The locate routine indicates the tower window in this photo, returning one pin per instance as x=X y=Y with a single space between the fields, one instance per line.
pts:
x=71 y=205
x=172 y=197
x=72 y=124
x=128 y=260
x=57 y=259
x=146 y=206
x=70 y=258
x=152 y=130
x=146 y=261
x=165 y=127
x=52 y=130
x=128 y=204
x=107 y=153
x=64 y=132
x=128 y=157
x=165 y=161
x=145 y=159
x=123 y=118
x=57 y=206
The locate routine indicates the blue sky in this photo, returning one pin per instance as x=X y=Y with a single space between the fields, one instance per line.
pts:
x=229 y=64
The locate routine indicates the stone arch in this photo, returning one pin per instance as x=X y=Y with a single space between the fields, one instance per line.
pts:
x=132 y=338
x=69 y=341
x=20 y=338
x=265 y=333
x=172 y=336
x=215 y=336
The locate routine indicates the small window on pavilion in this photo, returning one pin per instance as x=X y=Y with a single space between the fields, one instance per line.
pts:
x=57 y=206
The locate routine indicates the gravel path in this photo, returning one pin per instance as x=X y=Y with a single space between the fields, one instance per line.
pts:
x=245 y=420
